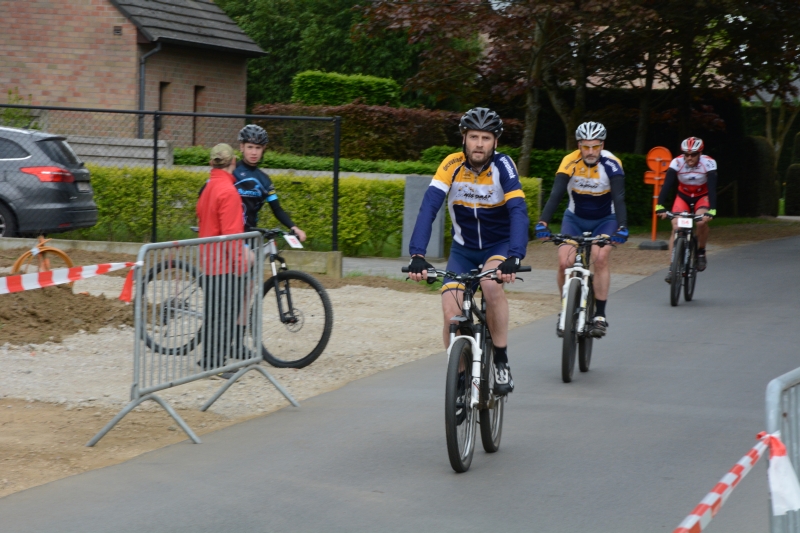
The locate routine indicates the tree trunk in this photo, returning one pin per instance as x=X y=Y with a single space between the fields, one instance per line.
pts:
x=532 y=107
x=645 y=105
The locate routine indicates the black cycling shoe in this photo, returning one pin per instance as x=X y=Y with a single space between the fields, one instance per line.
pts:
x=701 y=262
x=503 y=382
x=668 y=279
x=599 y=327
x=559 y=332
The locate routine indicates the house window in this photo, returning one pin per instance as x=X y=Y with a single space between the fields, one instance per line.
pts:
x=199 y=106
x=162 y=95
x=117 y=30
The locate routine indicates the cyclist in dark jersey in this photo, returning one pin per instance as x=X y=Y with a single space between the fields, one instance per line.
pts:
x=253 y=185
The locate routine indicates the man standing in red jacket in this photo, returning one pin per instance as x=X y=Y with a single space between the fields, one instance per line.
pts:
x=220 y=212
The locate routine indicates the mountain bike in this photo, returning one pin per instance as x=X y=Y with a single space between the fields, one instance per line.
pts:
x=683 y=267
x=577 y=303
x=469 y=387
x=297 y=317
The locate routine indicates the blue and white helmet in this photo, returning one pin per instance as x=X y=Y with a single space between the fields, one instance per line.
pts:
x=590 y=131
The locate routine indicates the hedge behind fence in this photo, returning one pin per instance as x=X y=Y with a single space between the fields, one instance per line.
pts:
x=370 y=211
x=369 y=132
x=314 y=87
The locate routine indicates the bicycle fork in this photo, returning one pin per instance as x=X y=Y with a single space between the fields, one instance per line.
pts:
x=477 y=353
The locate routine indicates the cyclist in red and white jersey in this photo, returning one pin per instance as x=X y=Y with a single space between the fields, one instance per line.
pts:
x=696 y=176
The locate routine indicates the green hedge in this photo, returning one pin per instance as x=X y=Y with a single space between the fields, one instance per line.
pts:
x=370 y=211
x=792 y=203
x=199 y=156
x=313 y=87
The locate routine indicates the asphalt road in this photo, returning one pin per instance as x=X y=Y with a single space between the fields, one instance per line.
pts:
x=674 y=398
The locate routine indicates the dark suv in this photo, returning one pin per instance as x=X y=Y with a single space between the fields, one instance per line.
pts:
x=44 y=187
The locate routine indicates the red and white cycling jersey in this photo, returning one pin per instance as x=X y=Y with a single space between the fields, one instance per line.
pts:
x=692 y=180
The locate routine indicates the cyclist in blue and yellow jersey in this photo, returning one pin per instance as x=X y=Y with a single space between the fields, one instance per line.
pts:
x=595 y=182
x=490 y=227
x=254 y=185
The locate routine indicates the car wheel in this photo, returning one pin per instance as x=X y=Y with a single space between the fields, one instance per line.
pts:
x=8 y=224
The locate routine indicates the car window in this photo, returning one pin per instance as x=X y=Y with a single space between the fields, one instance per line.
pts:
x=60 y=152
x=11 y=150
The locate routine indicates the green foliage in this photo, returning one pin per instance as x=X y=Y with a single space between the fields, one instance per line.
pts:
x=199 y=156
x=18 y=118
x=758 y=191
x=436 y=154
x=300 y=35
x=313 y=87
x=370 y=211
x=124 y=203
x=792 y=203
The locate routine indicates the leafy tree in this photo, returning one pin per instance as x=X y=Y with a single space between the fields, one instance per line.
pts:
x=765 y=63
x=301 y=35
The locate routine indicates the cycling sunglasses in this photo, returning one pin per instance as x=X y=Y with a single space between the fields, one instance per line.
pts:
x=691 y=154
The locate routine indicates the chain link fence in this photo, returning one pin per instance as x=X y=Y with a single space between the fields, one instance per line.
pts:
x=128 y=175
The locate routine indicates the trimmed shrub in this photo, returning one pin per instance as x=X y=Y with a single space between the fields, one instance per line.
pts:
x=314 y=87
x=792 y=205
x=369 y=132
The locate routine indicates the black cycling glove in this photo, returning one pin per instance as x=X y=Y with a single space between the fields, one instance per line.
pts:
x=509 y=266
x=418 y=264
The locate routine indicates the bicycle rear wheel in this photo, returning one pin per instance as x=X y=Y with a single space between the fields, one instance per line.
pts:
x=585 y=341
x=459 y=417
x=491 y=416
x=297 y=322
x=691 y=272
x=570 y=329
x=172 y=297
x=678 y=251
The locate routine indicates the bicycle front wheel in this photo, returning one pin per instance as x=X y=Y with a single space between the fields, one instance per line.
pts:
x=459 y=417
x=691 y=271
x=172 y=300
x=297 y=320
x=585 y=341
x=491 y=414
x=570 y=329
x=678 y=251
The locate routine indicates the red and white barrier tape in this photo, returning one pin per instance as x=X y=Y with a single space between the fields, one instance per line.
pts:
x=783 y=484
x=37 y=280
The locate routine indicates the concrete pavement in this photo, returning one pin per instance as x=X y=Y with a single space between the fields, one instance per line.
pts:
x=674 y=398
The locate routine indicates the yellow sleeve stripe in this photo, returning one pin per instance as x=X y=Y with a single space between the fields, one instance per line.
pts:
x=515 y=194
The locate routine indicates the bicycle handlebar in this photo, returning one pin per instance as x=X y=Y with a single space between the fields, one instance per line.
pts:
x=561 y=238
x=437 y=273
x=685 y=214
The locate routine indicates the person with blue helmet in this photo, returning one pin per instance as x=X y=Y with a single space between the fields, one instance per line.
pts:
x=595 y=182
x=254 y=185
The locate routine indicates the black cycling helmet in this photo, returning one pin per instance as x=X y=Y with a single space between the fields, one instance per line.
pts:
x=481 y=119
x=253 y=134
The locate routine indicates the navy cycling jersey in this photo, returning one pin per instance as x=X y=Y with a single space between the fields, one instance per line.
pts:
x=487 y=207
x=255 y=188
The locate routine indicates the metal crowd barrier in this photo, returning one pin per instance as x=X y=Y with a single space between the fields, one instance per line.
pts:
x=197 y=313
x=783 y=415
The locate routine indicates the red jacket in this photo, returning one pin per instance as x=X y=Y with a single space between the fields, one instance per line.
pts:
x=220 y=212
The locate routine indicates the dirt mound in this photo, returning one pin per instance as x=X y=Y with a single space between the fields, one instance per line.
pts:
x=52 y=313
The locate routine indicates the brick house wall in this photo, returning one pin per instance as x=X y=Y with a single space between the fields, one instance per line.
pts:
x=201 y=80
x=66 y=53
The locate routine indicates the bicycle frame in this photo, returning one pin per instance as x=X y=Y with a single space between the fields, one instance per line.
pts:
x=477 y=339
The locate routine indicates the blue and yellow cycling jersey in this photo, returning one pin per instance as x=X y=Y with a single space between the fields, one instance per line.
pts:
x=486 y=208
x=589 y=187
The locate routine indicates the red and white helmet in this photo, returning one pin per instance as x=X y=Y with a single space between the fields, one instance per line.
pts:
x=692 y=145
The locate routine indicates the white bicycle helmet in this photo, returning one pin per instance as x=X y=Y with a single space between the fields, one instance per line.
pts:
x=692 y=145
x=590 y=131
